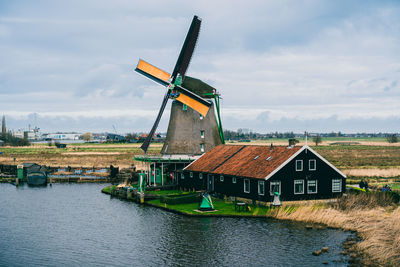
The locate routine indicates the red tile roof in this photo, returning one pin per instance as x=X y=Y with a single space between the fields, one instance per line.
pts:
x=244 y=160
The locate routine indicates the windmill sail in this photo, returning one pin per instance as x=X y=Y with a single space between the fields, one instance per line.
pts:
x=146 y=142
x=192 y=100
x=152 y=72
x=187 y=49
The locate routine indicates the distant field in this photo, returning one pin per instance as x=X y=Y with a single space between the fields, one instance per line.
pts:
x=356 y=160
x=76 y=155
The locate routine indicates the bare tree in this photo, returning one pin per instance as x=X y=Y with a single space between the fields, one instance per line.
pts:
x=87 y=136
x=317 y=140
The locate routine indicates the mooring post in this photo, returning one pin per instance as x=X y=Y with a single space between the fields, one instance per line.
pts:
x=162 y=174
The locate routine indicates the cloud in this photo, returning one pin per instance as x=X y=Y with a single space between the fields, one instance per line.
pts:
x=283 y=63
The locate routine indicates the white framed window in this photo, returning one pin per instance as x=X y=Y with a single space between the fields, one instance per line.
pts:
x=246 y=184
x=298 y=187
x=221 y=178
x=191 y=174
x=202 y=147
x=261 y=188
x=336 y=185
x=202 y=134
x=184 y=107
x=299 y=165
x=275 y=186
x=201 y=117
x=312 y=186
x=200 y=176
x=182 y=176
x=312 y=164
x=233 y=180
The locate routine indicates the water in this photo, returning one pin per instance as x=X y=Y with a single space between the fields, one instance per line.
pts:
x=76 y=225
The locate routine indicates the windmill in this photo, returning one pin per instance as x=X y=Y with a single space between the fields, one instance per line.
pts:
x=193 y=127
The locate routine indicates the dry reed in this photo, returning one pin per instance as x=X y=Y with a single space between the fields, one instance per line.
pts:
x=374 y=216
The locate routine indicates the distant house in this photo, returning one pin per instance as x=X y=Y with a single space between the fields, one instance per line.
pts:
x=114 y=137
x=256 y=172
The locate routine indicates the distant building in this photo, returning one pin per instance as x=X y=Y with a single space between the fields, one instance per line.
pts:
x=61 y=136
x=257 y=172
x=110 y=137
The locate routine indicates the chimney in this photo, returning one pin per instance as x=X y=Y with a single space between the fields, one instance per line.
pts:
x=272 y=147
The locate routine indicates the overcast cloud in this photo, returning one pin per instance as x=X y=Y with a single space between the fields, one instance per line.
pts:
x=279 y=65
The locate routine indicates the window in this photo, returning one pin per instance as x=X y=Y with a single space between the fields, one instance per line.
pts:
x=202 y=147
x=191 y=174
x=256 y=157
x=202 y=134
x=182 y=176
x=298 y=187
x=246 y=185
x=233 y=180
x=336 y=185
x=261 y=188
x=299 y=165
x=269 y=158
x=201 y=117
x=312 y=187
x=221 y=178
x=312 y=164
x=200 y=176
x=275 y=187
x=184 y=107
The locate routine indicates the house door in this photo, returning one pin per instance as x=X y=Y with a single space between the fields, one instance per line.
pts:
x=210 y=183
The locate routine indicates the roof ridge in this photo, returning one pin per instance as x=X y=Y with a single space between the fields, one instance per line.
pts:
x=219 y=165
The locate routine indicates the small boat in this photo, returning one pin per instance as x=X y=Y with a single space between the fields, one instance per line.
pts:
x=36 y=174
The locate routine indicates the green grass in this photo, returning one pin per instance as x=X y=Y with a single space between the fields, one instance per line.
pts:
x=107 y=189
x=222 y=208
x=168 y=192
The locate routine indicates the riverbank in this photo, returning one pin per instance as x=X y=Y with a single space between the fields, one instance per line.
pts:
x=374 y=217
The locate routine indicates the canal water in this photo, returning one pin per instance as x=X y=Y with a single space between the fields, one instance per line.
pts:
x=77 y=225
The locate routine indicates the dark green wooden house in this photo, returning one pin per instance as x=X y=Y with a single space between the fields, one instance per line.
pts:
x=257 y=172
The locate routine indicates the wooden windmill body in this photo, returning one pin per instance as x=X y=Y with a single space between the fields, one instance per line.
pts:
x=193 y=126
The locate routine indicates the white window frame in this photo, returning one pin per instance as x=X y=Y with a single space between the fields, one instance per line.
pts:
x=263 y=192
x=202 y=147
x=298 y=182
x=221 y=178
x=200 y=176
x=244 y=185
x=309 y=164
x=191 y=174
x=308 y=186
x=340 y=185
x=273 y=183
x=202 y=134
x=182 y=176
x=233 y=180
x=301 y=161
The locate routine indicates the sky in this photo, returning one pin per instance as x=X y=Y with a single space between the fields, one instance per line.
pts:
x=317 y=66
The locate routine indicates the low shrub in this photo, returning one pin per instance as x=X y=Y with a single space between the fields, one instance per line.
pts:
x=174 y=199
